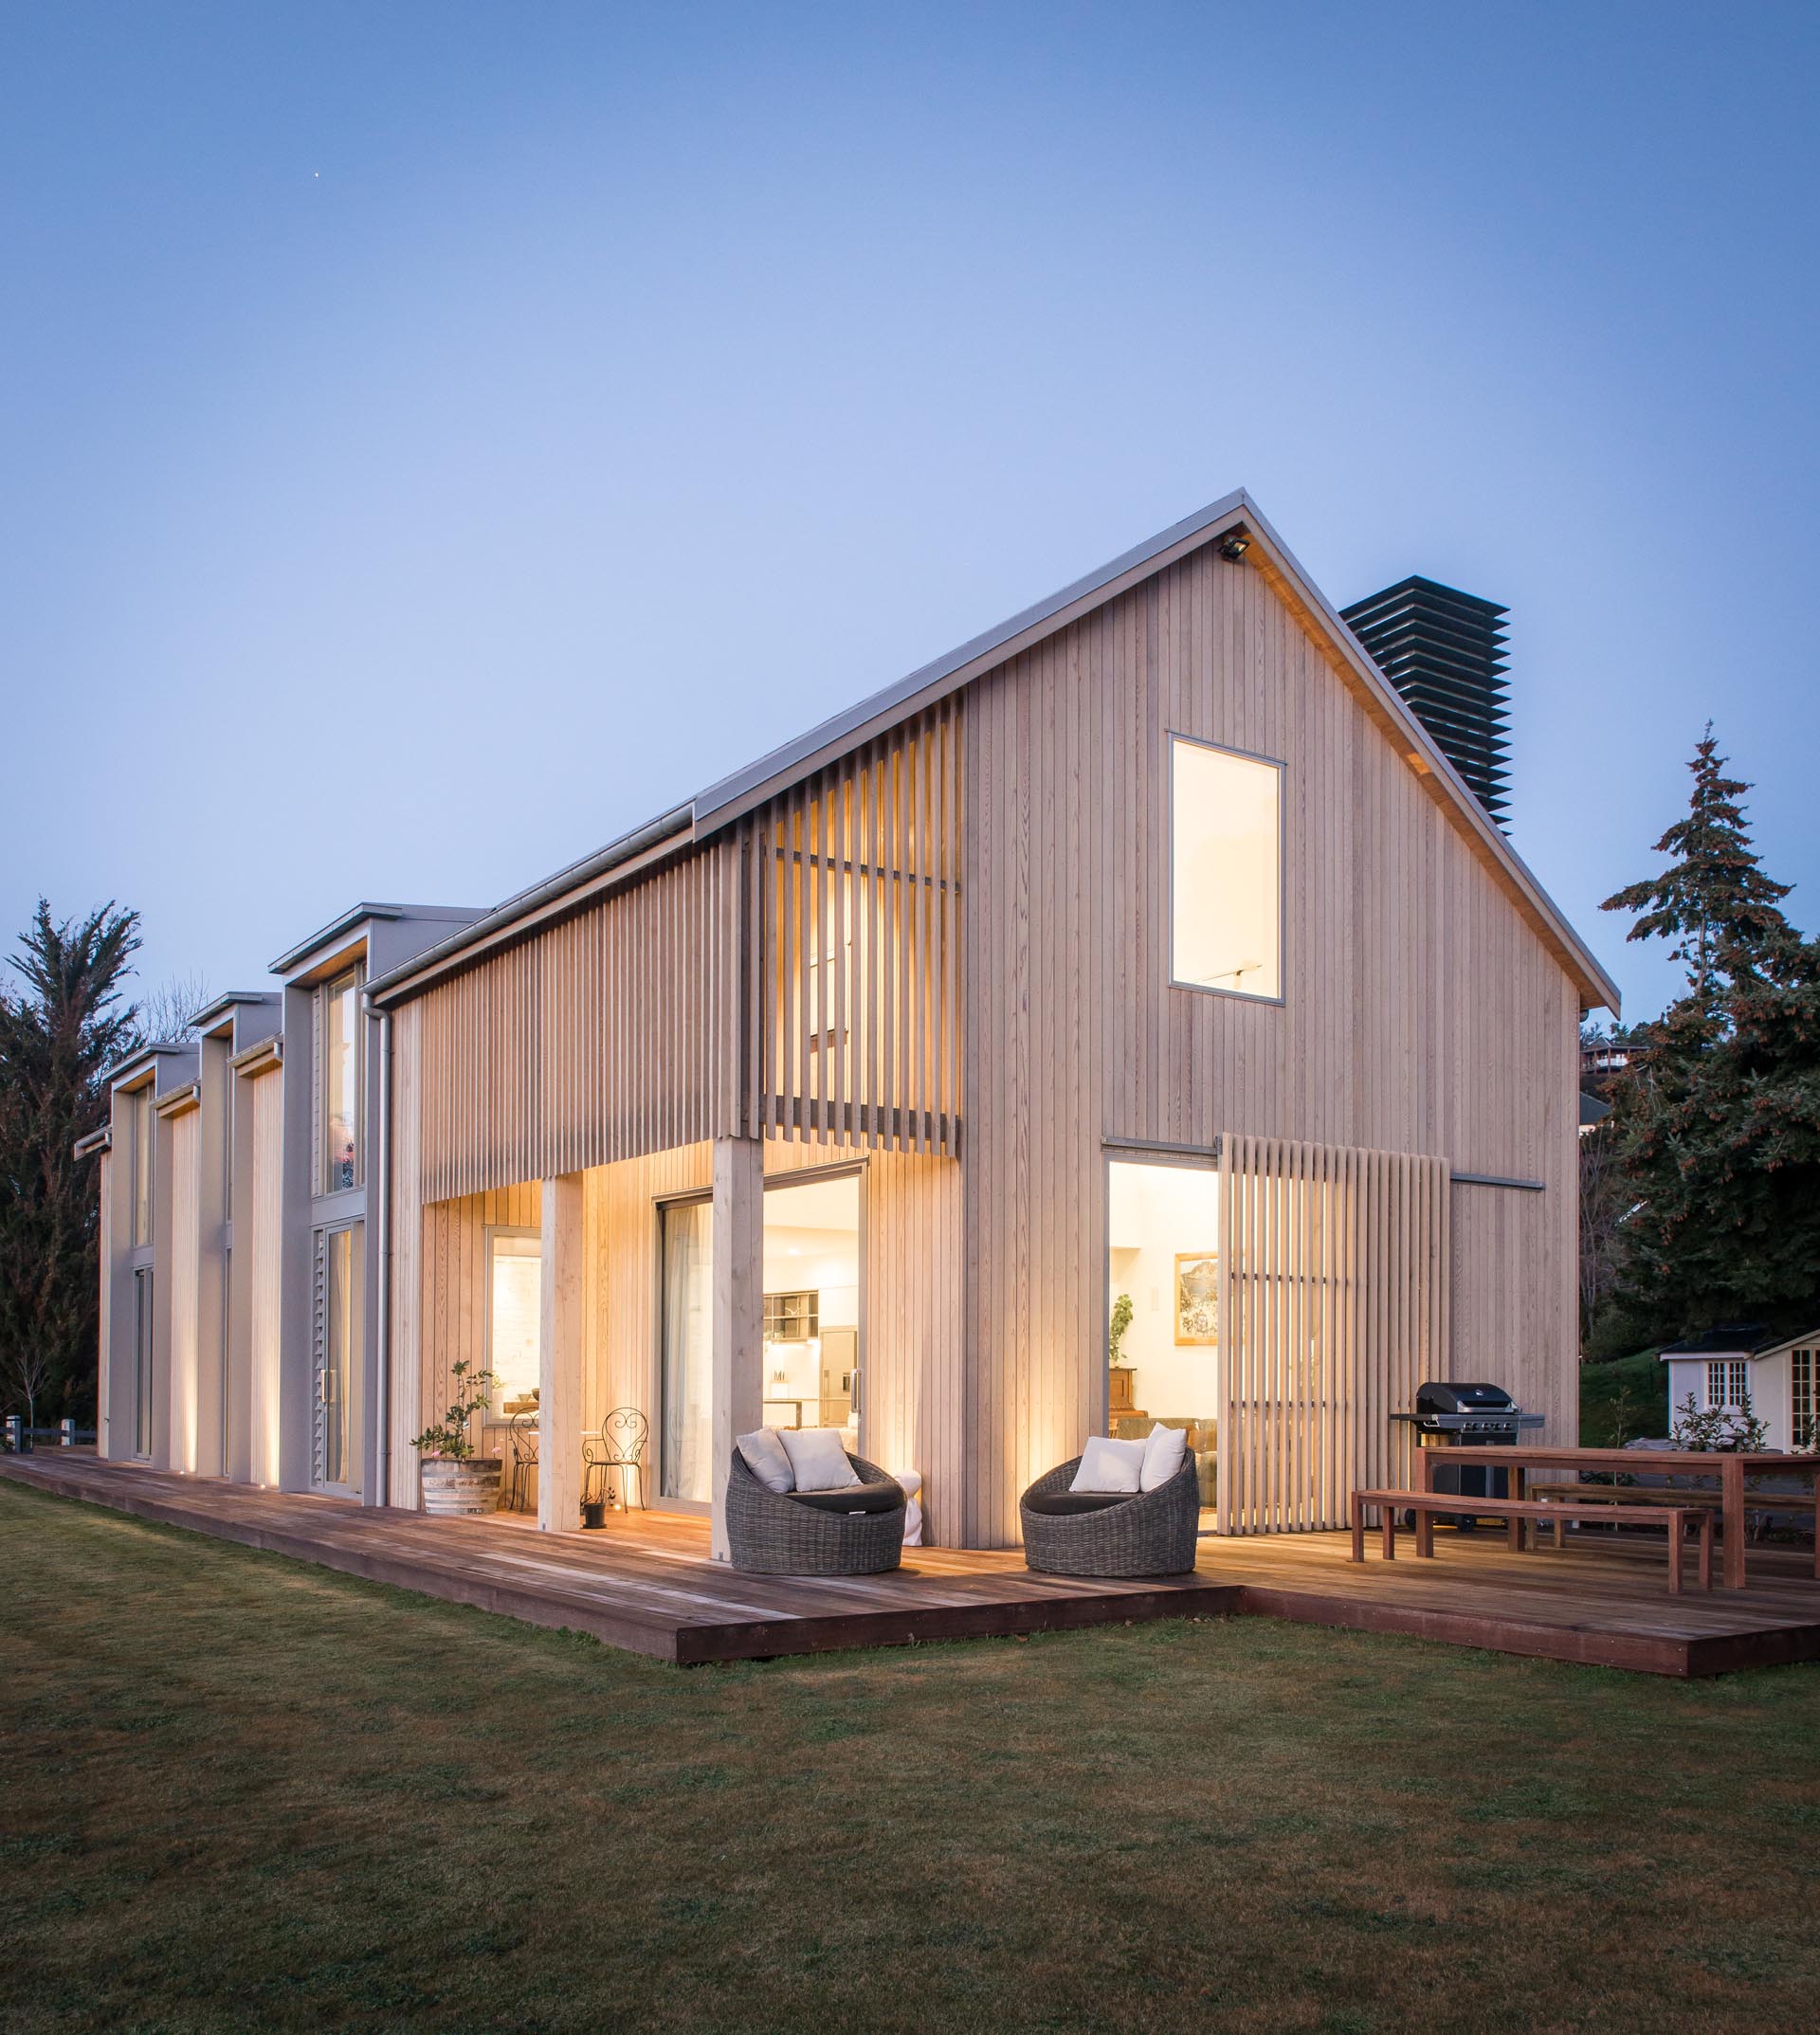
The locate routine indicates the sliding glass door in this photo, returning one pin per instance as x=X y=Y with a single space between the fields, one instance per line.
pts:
x=686 y=1386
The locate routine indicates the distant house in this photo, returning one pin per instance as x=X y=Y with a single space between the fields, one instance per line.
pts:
x=1722 y=1365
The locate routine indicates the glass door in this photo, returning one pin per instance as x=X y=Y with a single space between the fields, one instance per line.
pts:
x=142 y=1363
x=1162 y=1335
x=337 y=1426
x=811 y=1334
x=686 y=1382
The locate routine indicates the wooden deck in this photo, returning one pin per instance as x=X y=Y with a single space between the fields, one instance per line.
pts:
x=645 y=1582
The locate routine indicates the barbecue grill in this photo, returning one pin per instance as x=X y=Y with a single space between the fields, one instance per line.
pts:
x=1478 y=1416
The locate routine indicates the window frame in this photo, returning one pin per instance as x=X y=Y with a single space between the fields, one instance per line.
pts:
x=1170 y=737
x=492 y=1233
x=1804 y=1394
x=1731 y=1371
x=355 y=975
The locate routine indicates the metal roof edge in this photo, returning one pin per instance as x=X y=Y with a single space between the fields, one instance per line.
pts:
x=1593 y=977
x=892 y=701
x=229 y=1002
x=142 y=1056
x=382 y=992
x=359 y=915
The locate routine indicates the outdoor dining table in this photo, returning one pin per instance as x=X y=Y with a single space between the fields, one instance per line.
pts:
x=1731 y=1471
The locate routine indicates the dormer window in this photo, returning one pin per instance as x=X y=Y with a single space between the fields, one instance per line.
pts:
x=340 y=1079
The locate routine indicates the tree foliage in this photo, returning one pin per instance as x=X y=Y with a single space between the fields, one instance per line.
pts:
x=61 y=1028
x=1716 y=1122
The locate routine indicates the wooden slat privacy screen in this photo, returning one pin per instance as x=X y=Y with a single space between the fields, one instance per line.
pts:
x=855 y=981
x=798 y=975
x=600 y=1038
x=1332 y=1308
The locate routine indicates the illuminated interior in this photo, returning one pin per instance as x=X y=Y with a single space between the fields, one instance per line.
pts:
x=1227 y=878
x=514 y=1319
x=812 y=1343
x=1162 y=1254
x=811 y=1347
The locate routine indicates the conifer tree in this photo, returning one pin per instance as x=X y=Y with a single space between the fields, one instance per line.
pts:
x=1717 y=1119
x=60 y=1031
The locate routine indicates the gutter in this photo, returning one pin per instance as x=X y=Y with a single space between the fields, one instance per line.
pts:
x=387 y=991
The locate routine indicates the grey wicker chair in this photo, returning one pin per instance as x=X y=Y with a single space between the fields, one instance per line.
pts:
x=1151 y=1532
x=771 y=1533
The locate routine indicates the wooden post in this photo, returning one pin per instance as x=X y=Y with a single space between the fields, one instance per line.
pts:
x=1731 y=1484
x=560 y=1370
x=738 y=1309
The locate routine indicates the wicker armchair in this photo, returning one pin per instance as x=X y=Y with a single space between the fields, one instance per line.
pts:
x=771 y=1533
x=1151 y=1532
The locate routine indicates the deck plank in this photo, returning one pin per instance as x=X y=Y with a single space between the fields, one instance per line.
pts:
x=646 y=1584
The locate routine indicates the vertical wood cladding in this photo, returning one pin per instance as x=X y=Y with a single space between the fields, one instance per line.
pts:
x=1421 y=1014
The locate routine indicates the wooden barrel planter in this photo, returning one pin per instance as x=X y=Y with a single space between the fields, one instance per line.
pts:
x=462 y=1489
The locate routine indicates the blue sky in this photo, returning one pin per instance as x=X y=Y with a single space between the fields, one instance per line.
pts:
x=437 y=438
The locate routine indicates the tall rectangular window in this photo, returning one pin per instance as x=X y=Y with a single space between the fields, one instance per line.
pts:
x=341 y=1084
x=515 y=1317
x=1804 y=1402
x=142 y=1362
x=1225 y=870
x=142 y=1137
x=685 y=1470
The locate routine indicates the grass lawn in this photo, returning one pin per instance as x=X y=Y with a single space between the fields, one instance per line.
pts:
x=1622 y=1399
x=242 y=1794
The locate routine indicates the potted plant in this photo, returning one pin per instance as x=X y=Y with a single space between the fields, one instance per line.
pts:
x=456 y=1483
x=1120 y=1396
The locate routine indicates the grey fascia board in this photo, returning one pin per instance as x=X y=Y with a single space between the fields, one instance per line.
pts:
x=894 y=701
x=102 y=1140
x=356 y=915
x=271 y=1048
x=178 y=1101
x=353 y=918
x=678 y=821
x=224 y=1006
x=143 y=1057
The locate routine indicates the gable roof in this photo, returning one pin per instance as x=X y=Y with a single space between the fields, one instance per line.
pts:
x=723 y=802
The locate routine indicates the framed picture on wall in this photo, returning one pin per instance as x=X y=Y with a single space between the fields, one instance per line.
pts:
x=1198 y=1282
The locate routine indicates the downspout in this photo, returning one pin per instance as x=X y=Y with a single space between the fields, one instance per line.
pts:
x=382 y=1482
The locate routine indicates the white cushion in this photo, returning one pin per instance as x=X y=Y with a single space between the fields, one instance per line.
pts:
x=766 y=1460
x=818 y=1458
x=1110 y=1466
x=1163 y=1454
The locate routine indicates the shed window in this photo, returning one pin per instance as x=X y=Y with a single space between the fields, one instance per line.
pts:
x=1728 y=1383
x=1225 y=870
x=1804 y=1405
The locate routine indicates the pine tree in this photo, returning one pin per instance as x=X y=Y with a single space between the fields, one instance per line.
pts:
x=1713 y=899
x=58 y=1036
x=1717 y=1119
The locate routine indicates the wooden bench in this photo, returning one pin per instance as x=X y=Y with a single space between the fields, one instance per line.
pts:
x=1668 y=1496
x=1515 y=1512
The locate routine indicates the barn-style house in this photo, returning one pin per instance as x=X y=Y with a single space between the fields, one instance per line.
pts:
x=1144 y=959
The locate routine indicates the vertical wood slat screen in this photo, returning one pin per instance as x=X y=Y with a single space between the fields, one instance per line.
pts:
x=1332 y=1308
x=853 y=988
x=606 y=1036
